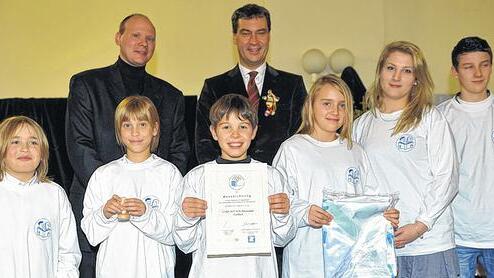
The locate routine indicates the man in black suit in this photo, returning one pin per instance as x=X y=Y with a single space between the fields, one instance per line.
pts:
x=280 y=94
x=93 y=97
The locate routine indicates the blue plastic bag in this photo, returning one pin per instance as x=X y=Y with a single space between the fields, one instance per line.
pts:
x=359 y=241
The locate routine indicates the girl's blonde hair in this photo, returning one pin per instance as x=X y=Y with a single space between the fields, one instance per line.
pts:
x=8 y=128
x=141 y=108
x=308 y=121
x=420 y=97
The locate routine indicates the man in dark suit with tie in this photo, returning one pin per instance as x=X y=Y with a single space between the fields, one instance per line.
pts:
x=277 y=95
x=93 y=97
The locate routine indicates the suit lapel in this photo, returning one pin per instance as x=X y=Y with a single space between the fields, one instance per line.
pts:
x=270 y=80
x=270 y=83
x=236 y=83
x=117 y=88
x=149 y=90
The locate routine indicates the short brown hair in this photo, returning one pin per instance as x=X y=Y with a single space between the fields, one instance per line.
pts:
x=8 y=129
x=232 y=103
x=141 y=108
x=250 y=11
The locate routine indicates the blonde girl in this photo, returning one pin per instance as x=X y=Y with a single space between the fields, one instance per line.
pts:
x=411 y=151
x=321 y=156
x=130 y=202
x=38 y=235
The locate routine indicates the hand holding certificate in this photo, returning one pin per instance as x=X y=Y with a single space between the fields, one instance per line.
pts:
x=194 y=207
x=237 y=218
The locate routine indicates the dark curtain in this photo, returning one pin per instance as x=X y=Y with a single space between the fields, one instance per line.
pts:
x=50 y=114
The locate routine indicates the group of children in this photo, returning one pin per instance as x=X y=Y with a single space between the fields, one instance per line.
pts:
x=138 y=207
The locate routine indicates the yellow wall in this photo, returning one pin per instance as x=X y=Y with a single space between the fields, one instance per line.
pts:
x=436 y=26
x=44 y=42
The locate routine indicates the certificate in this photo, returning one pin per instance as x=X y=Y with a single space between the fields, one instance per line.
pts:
x=237 y=218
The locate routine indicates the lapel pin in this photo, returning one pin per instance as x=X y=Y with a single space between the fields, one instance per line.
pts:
x=271 y=103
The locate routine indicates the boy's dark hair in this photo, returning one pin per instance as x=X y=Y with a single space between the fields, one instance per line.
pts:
x=250 y=11
x=469 y=44
x=232 y=103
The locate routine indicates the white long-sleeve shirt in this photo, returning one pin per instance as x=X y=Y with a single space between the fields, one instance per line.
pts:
x=312 y=166
x=38 y=235
x=472 y=125
x=190 y=234
x=421 y=165
x=143 y=246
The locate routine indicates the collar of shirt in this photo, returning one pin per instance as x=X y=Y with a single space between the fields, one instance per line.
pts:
x=126 y=163
x=478 y=106
x=15 y=181
x=221 y=160
x=388 y=117
x=261 y=72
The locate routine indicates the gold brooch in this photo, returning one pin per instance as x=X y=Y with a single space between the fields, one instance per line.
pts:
x=271 y=100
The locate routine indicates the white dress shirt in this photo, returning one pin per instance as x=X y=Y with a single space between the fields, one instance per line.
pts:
x=261 y=72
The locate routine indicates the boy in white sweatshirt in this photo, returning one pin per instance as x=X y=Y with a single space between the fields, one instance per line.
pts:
x=234 y=126
x=470 y=114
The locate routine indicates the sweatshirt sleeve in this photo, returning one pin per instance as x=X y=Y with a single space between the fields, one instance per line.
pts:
x=299 y=208
x=283 y=225
x=188 y=233
x=444 y=168
x=94 y=223
x=157 y=224
x=69 y=255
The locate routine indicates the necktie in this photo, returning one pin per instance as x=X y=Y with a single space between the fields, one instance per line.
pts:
x=252 y=90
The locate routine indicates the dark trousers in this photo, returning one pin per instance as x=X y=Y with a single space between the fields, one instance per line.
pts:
x=87 y=269
x=279 y=259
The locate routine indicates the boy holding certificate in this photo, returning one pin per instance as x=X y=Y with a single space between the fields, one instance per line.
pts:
x=226 y=233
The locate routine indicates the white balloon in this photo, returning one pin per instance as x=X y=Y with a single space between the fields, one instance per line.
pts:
x=340 y=59
x=314 y=61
